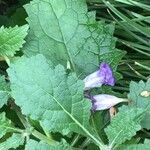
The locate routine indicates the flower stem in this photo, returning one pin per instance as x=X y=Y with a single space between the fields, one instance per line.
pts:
x=34 y=132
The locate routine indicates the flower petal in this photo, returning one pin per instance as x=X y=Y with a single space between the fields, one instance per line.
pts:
x=107 y=74
x=93 y=80
x=102 y=76
x=105 y=101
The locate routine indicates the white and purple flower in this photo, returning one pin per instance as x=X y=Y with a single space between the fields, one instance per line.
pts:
x=104 y=101
x=102 y=76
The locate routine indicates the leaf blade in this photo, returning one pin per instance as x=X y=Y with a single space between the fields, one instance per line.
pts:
x=12 y=142
x=124 y=125
x=12 y=39
x=139 y=101
x=50 y=96
x=34 y=145
x=85 y=45
x=4 y=91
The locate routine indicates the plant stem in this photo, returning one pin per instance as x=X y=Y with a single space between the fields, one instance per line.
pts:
x=76 y=138
x=146 y=132
x=34 y=132
x=43 y=137
x=86 y=143
x=14 y=129
x=21 y=117
x=7 y=60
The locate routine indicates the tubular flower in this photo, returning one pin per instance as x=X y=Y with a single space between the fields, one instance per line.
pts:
x=102 y=76
x=105 y=101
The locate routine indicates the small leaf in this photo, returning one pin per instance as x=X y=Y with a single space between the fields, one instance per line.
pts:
x=124 y=125
x=136 y=94
x=4 y=91
x=139 y=100
x=34 y=145
x=12 y=142
x=12 y=39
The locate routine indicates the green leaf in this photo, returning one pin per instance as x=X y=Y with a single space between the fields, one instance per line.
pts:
x=4 y=91
x=50 y=96
x=138 y=99
x=124 y=125
x=70 y=34
x=12 y=142
x=5 y=125
x=144 y=146
x=136 y=93
x=12 y=39
x=34 y=145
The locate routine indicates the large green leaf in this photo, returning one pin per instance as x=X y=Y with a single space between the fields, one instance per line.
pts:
x=50 y=96
x=12 y=39
x=34 y=145
x=4 y=91
x=67 y=32
x=138 y=99
x=12 y=142
x=124 y=125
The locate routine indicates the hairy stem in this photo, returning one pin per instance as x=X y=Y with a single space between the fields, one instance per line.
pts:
x=43 y=137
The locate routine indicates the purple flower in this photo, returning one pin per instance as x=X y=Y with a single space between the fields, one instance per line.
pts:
x=104 y=101
x=102 y=76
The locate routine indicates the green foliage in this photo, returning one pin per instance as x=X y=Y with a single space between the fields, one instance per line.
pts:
x=132 y=30
x=135 y=26
x=12 y=142
x=12 y=39
x=4 y=91
x=48 y=95
x=139 y=96
x=62 y=95
x=34 y=145
x=47 y=101
x=124 y=125
x=5 y=125
x=144 y=146
x=136 y=94
x=70 y=34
